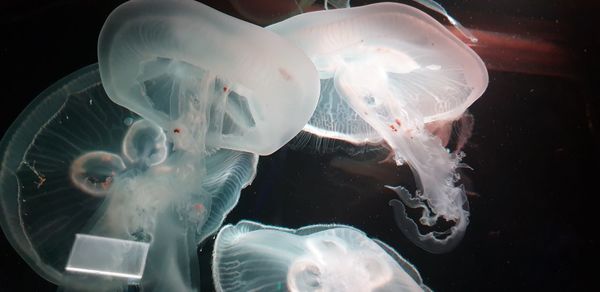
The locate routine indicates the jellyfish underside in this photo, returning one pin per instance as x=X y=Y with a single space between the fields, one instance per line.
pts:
x=213 y=106
x=177 y=205
x=397 y=70
x=75 y=162
x=390 y=100
x=317 y=257
x=202 y=108
x=334 y=118
x=160 y=199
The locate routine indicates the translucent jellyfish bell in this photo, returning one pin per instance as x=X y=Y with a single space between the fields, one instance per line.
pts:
x=75 y=163
x=211 y=79
x=334 y=118
x=250 y=256
x=386 y=70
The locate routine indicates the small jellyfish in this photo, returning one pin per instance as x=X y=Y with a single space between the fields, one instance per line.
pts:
x=250 y=256
x=213 y=80
x=76 y=163
x=387 y=70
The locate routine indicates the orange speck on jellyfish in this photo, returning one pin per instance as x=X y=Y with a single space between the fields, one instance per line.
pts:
x=106 y=183
x=199 y=208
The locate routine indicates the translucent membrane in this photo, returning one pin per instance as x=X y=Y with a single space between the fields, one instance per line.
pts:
x=250 y=256
x=431 y=4
x=95 y=171
x=209 y=79
x=43 y=203
x=145 y=143
x=386 y=71
x=74 y=162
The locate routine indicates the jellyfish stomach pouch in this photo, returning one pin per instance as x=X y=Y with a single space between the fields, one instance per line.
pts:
x=165 y=206
x=392 y=112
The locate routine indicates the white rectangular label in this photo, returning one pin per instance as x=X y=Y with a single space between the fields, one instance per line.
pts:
x=108 y=256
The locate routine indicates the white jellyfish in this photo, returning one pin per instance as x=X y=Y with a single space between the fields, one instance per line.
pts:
x=76 y=163
x=250 y=256
x=213 y=80
x=81 y=173
x=386 y=71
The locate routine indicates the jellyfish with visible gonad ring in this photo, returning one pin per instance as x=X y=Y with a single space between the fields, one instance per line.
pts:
x=250 y=256
x=143 y=185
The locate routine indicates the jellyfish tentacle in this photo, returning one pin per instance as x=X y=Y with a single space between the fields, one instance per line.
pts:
x=434 y=170
x=435 y=241
x=402 y=126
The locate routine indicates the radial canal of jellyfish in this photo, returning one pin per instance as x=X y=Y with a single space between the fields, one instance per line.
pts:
x=180 y=66
x=396 y=69
x=77 y=165
x=250 y=256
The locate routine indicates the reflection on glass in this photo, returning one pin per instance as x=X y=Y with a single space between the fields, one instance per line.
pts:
x=107 y=256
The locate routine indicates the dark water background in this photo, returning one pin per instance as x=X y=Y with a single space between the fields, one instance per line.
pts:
x=534 y=150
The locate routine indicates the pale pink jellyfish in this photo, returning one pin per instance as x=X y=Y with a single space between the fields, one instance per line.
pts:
x=386 y=71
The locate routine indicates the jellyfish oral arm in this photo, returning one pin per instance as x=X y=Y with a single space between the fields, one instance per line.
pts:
x=397 y=69
x=437 y=195
x=403 y=128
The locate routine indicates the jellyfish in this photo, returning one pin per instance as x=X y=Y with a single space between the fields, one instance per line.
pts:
x=250 y=256
x=148 y=181
x=387 y=70
x=76 y=165
x=213 y=81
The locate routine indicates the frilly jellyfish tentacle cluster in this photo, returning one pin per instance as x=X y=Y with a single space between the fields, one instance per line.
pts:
x=397 y=69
